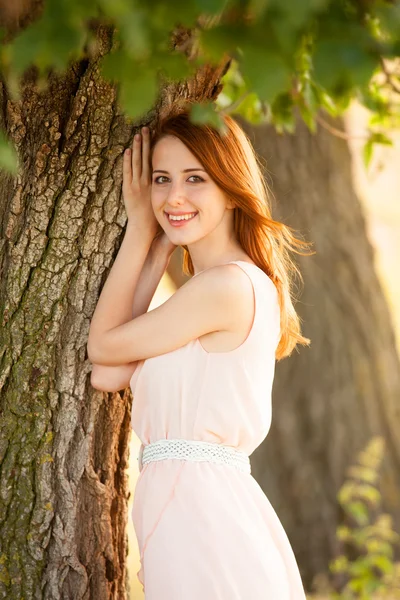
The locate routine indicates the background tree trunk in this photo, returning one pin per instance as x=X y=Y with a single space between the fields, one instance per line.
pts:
x=64 y=445
x=331 y=398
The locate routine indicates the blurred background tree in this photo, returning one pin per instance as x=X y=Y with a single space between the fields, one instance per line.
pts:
x=77 y=80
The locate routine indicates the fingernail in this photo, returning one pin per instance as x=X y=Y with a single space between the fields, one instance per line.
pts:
x=137 y=136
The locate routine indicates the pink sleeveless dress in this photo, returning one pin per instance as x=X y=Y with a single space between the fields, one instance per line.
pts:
x=207 y=531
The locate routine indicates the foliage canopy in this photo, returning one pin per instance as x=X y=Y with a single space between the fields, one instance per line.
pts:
x=286 y=54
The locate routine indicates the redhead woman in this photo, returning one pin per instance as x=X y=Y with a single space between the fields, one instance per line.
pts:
x=201 y=365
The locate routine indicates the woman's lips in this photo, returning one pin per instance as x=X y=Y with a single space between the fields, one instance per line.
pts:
x=180 y=223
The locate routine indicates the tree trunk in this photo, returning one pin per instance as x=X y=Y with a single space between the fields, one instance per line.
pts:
x=331 y=398
x=64 y=445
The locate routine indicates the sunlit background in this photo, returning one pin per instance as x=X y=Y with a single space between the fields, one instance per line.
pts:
x=379 y=191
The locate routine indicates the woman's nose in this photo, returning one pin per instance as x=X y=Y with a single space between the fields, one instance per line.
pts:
x=176 y=200
x=176 y=193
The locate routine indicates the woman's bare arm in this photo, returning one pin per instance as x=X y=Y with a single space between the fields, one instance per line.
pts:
x=137 y=269
x=218 y=299
x=153 y=269
x=115 y=378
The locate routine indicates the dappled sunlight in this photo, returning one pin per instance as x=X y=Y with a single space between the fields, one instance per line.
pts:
x=378 y=189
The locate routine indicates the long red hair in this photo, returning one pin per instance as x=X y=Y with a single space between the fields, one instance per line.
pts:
x=232 y=163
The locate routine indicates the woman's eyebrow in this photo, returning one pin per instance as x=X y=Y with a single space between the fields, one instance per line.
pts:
x=184 y=170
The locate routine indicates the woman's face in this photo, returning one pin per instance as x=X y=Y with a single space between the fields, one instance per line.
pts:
x=180 y=186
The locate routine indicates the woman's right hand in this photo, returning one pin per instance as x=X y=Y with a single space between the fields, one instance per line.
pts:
x=136 y=185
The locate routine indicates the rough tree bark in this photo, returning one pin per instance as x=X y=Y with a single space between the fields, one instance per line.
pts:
x=64 y=445
x=331 y=398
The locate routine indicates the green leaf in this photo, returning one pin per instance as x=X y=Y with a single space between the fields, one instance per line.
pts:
x=236 y=98
x=206 y=113
x=173 y=65
x=8 y=155
x=119 y=8
x=138 y=83
x=234 y=86
x=388 y=15
x=382 y=562
x=295 y=14
x=358 y=511
x=134 y=30
x=210 y=7
x=375 y=138
x=258 y=7
x=359 y=568
x=339 y=564
x=308 y=117
x=166 y=15
x=381 y=138
x=282 y=115
x=138 y=95
x=311 y=99
x=371 y=586
x=363 y=473
x=266 y=75
x=251 y=109
x=219 y=40
x=343 y=533
x=340 y=65
x=55 y=39
x=325 y=101
x=356 y=586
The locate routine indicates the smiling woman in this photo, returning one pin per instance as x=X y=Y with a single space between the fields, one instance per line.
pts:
x=204 y=361
x=188 y=203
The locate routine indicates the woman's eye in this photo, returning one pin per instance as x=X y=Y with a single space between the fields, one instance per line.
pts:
x=156 y=180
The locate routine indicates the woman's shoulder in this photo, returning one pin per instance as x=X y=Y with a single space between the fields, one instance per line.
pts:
x=230 y=274
x=230 y=283
x=236 y=279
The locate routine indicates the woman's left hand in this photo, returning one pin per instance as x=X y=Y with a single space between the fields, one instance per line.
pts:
x=136 y=184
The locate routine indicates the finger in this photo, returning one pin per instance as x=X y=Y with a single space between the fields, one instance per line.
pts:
x=145 y=153
x=136 y=156
x=126 y=167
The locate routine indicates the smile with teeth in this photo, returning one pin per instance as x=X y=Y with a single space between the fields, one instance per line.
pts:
x=182 y=217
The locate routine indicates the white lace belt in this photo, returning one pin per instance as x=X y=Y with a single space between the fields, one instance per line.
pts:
x=194 y=450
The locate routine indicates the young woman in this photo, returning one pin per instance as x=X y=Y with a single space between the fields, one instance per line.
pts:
x=201 y=365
